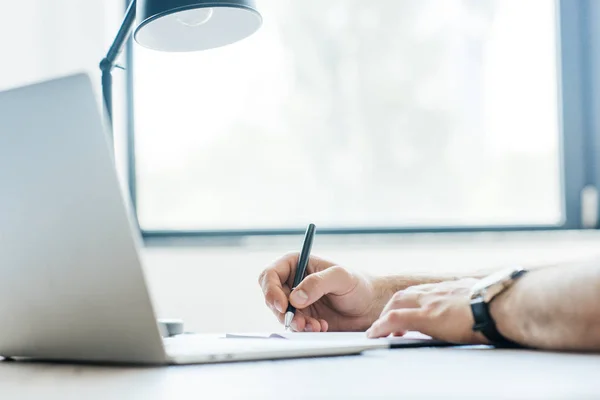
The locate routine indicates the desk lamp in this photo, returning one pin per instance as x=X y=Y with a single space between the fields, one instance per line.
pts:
x=179 y=26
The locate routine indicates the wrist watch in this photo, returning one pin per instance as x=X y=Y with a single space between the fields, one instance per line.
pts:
x=482 y=295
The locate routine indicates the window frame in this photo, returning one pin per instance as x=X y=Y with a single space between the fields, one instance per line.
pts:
x=579 y=93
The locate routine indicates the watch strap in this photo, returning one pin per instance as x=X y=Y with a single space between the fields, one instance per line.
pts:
x=485 y=324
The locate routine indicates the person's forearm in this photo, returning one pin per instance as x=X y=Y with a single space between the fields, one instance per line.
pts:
x=386 y=286
x=394 y=283
x=553 y=308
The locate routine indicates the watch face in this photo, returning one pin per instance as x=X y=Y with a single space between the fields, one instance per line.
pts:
x=491 y=285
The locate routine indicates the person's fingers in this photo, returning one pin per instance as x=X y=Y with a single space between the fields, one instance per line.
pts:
x=334 y=280
x=272 y=289
x=315 y=264
x=299 y=322
x=403 y=299
x=280 y=317
x=286 y=292
x=273 y=281
x=285 y=267
x=324 y=325
x=312 y=325
x=396 y=321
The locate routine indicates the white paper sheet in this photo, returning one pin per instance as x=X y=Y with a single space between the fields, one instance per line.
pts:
x=315 y=335
x=410 y=337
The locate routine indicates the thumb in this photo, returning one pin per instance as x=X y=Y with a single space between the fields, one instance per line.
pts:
x=334 y=280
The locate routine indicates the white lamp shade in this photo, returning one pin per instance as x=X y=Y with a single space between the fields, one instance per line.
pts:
x=187 y=25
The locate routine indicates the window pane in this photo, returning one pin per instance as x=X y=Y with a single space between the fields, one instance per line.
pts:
x=357 y=113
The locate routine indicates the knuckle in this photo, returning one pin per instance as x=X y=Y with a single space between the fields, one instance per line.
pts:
x=314 y=282
x=337 y=270
x=398 y=296
x=393 y=317
x=269 y=295
x=417 y=288
x=433 y=308
x=395 y=304
x=291 y=256
x=459 y=291
x=441 y=292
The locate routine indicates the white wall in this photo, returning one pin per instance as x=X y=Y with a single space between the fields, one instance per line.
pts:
x=44 y=39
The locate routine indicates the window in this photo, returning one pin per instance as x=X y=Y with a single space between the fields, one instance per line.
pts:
x=347 y=113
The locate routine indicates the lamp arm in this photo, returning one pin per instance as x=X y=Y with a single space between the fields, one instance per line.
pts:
x=108 y=62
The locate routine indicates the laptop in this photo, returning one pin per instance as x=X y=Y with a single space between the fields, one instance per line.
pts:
x=73 y=286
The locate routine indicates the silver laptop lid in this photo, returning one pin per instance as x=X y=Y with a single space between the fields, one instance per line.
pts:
x=71 y=283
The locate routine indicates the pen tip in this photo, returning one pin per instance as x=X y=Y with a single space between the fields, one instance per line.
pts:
x=289 y=316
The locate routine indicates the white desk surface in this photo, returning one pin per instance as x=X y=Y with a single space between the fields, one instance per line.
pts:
x=446 y=373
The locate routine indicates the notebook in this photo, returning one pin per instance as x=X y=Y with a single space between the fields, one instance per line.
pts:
x=411 y=339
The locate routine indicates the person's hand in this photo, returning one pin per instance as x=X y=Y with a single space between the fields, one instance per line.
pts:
x=440 y=310
x=330 y=298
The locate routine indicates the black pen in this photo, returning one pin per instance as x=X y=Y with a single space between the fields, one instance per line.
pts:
x=300 y=270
